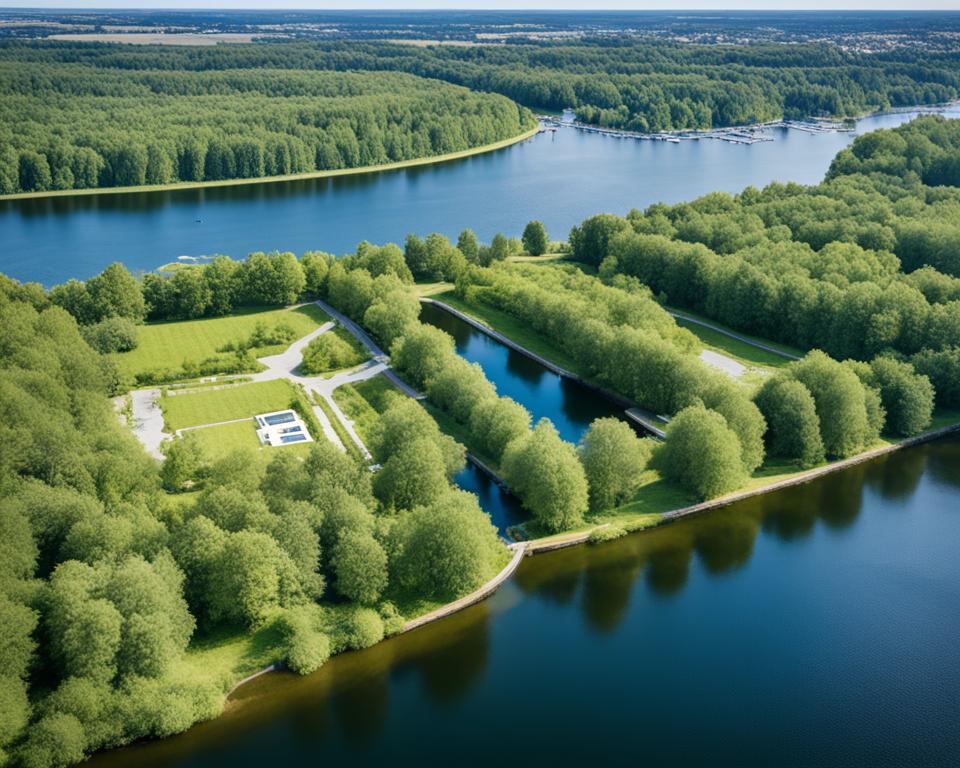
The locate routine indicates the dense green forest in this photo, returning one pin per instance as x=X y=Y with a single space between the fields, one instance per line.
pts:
x=95 y=115
x=68 y=124
x=868 y=262
x=645 y=86
x=105 y=576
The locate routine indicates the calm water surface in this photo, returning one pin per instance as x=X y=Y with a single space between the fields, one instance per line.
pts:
x=815 y=626
x=560 y=178
x=570 y=406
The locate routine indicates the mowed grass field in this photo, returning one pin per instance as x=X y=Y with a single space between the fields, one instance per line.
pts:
x=217 y=442
x=167 y=346
x=220 y=440
x=235 y=402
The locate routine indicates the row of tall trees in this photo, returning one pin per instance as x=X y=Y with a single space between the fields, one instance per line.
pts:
x=861 y=264
x=818 y=408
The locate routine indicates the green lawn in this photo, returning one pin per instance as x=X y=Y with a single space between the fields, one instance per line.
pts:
x=167 y=346
x=360 y=353
x=227 y=655
x=234 y=402
x=218 y=441
x=739 y=350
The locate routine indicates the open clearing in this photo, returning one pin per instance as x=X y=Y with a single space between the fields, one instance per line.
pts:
x=745 y=354
x=167 y=346
x=216 y=405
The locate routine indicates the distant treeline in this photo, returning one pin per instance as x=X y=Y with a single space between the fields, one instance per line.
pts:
x=67 y=124
x=645 y=86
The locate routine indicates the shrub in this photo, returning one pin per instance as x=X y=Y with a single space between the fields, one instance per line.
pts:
x=606 y=533
x=360 y=628
x=306 y=648
x=329 y=351
x=112 y=334
x=393 y=621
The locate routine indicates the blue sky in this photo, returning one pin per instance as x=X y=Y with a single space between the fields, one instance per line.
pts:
x=916 y=5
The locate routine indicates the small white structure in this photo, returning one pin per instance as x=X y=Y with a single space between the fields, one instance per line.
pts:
x=281 y=428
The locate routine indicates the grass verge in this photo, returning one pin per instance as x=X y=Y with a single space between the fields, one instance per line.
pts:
x=348 y=444
x=514 y=329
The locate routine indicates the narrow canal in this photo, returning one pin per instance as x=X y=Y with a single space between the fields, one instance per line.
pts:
x=815 y=626
x=571 y=407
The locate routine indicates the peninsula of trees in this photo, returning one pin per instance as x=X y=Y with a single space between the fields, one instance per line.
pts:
x=75 y=116
x=78 y=118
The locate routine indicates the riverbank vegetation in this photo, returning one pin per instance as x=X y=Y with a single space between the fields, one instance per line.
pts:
x=858 y=266
x=647 y=86
x=82 y=117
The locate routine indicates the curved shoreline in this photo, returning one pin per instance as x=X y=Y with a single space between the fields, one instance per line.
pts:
x=554 y=542
x=540 y=546
x=362 y=170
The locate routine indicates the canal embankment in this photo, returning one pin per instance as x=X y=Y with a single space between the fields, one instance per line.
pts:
x=649 y=421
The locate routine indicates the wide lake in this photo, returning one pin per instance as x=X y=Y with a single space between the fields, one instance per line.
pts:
x=815 y=626
x=560 y=177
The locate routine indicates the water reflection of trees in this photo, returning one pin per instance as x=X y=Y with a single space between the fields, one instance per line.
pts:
x=522 y=366
x=603 y=578
x=451 y=670
x=944 y=462
x=581 y=405
x=361 y=708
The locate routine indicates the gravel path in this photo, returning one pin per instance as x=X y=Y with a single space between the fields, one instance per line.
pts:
x=726 y=364
x=148 y=420
x=731 y=334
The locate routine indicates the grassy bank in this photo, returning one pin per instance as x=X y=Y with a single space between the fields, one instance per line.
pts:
x=364 y=401
x=513 y=328
x=277 y=179
x=745 y=353
x=169 y=346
